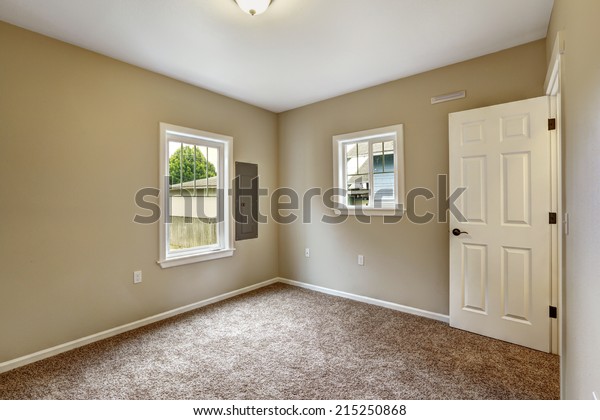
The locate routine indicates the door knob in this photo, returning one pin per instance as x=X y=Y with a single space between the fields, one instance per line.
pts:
x=458 y=232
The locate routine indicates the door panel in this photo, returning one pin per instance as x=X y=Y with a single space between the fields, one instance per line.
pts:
x=516 y=284
x=474 y=174
x=516 y=189
x=474 y=278
x=500 y=269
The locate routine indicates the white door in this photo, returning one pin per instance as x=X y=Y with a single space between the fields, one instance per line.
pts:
x=500 y=262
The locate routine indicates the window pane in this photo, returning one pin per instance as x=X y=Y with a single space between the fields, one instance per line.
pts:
x=192 y=212
x=174 y=167
x=358 y=190
x=377 y=147
x=201 y=170
x=191 y=232
x=383 y=187
x=377 y=163
x=383 y=163
x=383 y=172
x=389 y=163
x=363 y=148
x=351 y=159
x=213 y=171
x=363 y=158
x=351 y=165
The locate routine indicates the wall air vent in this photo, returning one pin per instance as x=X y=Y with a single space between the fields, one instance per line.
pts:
x=448 y=97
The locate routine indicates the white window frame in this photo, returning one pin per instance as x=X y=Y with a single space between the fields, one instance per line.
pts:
x=225 y=232
x=340 y=178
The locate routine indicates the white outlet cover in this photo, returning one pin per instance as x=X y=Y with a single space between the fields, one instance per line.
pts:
x=137 y=276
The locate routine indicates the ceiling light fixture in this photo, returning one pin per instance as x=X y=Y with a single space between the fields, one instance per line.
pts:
x=253 y=7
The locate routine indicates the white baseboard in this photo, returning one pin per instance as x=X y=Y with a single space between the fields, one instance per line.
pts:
x=53 y=351
x=372 y=301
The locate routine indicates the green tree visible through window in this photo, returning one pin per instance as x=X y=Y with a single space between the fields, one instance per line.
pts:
x=182 y=163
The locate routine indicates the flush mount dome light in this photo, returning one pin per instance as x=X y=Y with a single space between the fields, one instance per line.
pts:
x=253 y=7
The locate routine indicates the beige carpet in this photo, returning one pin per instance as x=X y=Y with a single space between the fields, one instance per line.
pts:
x=283 y=342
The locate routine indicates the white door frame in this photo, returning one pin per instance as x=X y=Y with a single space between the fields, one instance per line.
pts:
x=553 y=89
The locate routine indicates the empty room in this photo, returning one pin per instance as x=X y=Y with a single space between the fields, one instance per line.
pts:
x=299 y=200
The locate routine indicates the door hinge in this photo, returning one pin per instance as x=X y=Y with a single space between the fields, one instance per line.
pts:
x=551 y=124
x=553 y=313
x=552 y=218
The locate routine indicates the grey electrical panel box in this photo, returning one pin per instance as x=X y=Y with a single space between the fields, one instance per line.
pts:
x=246 y=201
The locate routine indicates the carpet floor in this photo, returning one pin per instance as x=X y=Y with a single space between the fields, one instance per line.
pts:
x=282 y=342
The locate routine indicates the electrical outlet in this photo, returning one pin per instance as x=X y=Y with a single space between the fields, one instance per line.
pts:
x=307 y=252
x=361 y=260
x=137 y=277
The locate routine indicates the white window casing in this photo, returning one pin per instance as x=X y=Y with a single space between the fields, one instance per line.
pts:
x=224 y=244
x=340 y=175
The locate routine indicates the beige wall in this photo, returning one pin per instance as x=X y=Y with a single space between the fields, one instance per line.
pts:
x=405 y=263
x=581 y=129
x=85 y=127
x=79 y=135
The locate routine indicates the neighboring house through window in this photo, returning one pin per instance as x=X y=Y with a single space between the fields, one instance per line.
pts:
x=369 y=168
x=195 y=179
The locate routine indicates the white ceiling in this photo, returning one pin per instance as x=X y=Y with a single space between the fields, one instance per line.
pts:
x=298 y=52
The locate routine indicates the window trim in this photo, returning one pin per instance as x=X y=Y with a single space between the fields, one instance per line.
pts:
x=339 y=171
x=225 y=247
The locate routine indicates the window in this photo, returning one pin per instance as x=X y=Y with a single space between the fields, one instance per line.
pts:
x=369 y=169
x=195 y=180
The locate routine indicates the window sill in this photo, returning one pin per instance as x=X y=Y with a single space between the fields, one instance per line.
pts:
x=196 y=258
x=369 y=212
